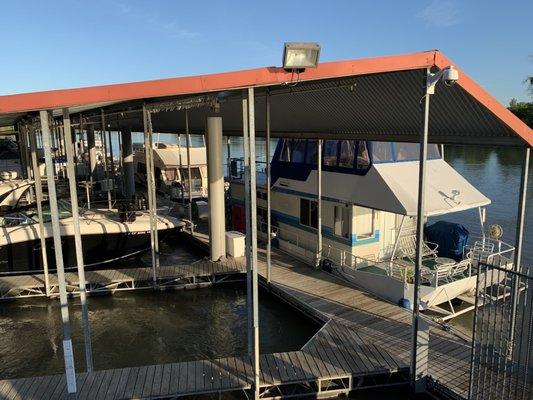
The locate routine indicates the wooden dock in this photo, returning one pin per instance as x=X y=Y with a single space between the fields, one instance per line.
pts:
x=365 y=341
x=198 y=273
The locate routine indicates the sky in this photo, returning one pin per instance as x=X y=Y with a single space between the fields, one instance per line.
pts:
x=71 y=43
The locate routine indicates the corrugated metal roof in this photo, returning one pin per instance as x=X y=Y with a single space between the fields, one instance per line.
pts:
x=371 y=98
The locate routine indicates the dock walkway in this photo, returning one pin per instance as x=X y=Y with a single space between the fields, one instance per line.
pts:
x=365 y=341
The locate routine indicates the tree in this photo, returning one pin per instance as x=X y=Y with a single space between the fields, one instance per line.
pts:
x=522 y=110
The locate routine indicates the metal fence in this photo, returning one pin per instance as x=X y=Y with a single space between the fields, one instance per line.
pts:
x=502 y=356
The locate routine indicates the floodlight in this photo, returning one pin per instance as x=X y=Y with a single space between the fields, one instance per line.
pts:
x=300 y=55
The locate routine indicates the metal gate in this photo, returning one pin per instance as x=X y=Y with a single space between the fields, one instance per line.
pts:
x=502 y=359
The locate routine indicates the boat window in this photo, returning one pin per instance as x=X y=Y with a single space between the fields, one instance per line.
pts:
x=312 y=152
x=347 y=153
x=406 y=151
x=341 y=221
x=330 y=153
x=381 y=152
x=285 y=154
x=308 y=213
x=298 y=150
x=364 y=222
x=171 y=174
x=196 y=178
x=363 y=158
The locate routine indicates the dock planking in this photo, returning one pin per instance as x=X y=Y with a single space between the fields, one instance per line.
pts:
x=362 y=336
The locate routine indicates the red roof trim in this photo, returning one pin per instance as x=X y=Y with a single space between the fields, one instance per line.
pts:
x=206 y=83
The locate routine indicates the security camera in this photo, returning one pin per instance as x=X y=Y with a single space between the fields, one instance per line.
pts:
x=450 y=76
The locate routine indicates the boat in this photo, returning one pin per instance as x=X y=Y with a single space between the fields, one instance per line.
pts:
x=107 y=236
x=171 y=172
x=369 y=208
x=14 y=192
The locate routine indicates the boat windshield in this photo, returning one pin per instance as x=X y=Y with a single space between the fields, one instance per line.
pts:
x=29 y=216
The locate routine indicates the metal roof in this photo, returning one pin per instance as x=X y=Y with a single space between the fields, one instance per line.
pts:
x=375 y=98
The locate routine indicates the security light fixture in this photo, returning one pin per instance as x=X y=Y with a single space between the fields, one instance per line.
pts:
x=299 y=56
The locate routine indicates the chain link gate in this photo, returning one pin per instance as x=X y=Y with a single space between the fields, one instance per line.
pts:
x=502 y=359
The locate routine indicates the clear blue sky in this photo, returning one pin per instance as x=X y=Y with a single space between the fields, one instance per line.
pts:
x=60 y=44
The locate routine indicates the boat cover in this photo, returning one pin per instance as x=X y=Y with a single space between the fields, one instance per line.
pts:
x=451 y=238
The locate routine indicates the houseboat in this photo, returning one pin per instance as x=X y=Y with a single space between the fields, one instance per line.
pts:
x=368 y=218
x=171 y=170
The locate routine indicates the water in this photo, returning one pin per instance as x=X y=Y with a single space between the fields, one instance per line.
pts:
x=144 y=328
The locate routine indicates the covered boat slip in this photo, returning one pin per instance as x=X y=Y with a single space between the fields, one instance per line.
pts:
x=377 y=99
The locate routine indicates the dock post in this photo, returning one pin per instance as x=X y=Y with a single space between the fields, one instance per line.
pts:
x=127 y=162
x=319 y=202
x=67 y=341
x=253 y=239
x=181 y=170
x=106 y=170
x=269 y=220
x=91 y=144
x=39 y=200
x=417 y=369
x=518 y=243
x=215 y=175
x=189 y=166
x=248 y=228
x=152 y=203
x=71 y=173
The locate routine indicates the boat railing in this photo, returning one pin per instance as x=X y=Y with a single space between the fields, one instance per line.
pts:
x=236 y=167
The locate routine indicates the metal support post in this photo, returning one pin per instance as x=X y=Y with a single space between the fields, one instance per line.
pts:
x=253 y=234
x=246 y=153
x=269 y=220
x=39 y=201
x=228 y=158
x=127 y=162
x=91 y=144
x=67 y=341
x=150 y=179
x=518 y=243
x=319 y=203
x=181 y=170
x=418 y=367
x=215 y=175
x=189 y=167
x=104 y=143
x=71 y=173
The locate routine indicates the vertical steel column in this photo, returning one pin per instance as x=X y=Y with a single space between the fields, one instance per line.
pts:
x=518 y=242
x=228 y=157
x=104 y=144
x=39 y=200
x=253 y=222
x=71 y=173
x=269 y=220
x=91 y=144
x=246 y=153
x=215 y=175
x=189 y=166
x=127 y=163
x=319 y=203
x=150 y=180
x=181 y=169
x=416 y=351
x=67 y=341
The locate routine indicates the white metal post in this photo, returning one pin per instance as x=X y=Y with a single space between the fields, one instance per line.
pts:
x=150 y=180
x=269 y=220
x=71 y=173
x=39 y=200
x=419 y=335
x=253 y=222
x=67 y=341
x=319 y=203
x=246 y=152
x=181 y=170
x=189 y=167
x=127 y=163
x=518 y=242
